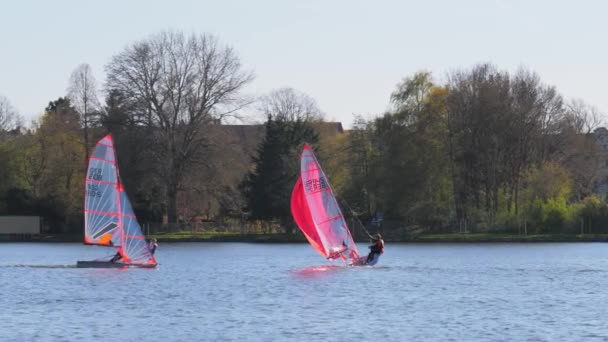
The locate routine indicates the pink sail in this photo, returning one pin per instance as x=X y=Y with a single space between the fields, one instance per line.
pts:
x=108 y=215
x=317 y=214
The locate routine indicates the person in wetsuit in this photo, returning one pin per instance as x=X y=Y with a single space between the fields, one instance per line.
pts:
x=152 y=246
x=376 y=248
x=116 y=258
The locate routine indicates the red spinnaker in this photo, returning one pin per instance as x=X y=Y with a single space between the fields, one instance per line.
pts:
x=301 y=214
x=317 y=214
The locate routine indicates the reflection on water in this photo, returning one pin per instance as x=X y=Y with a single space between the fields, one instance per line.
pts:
x=39 y=266
x=236 y=292
x=314 y=271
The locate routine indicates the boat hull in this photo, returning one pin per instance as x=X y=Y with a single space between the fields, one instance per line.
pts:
x=362 y=261
x=109 y=264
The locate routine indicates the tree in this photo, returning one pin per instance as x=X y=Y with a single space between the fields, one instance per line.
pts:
x=59 y=133
x=289 y=104
x=136 y=160
x=545 y=191
x=181 y=85
x=580 y=152
x=267 y=188
x=49 y=167
x=411 y=94
x=10 y=123
x=362 y=165
x=499 y=126
x=413 y=173
x=82 y=92
x=582 y=117
x=9 y=118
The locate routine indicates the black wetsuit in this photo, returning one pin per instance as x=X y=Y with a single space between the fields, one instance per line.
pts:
x=152 y=247
x=116 y=257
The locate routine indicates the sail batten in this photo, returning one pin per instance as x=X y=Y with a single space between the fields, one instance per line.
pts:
x=107 y=213
x=317 y=214
x=100 y=182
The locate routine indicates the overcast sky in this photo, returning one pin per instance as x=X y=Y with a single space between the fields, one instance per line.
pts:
x=347 y=54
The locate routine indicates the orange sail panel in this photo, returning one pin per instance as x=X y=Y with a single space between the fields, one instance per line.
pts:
x=317 y=214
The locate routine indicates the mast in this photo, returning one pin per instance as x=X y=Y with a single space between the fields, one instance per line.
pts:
x=118 y=201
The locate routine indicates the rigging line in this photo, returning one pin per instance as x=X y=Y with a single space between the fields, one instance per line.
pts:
x=352 y=212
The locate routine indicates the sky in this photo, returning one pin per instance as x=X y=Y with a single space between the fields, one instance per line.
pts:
x=347 y=54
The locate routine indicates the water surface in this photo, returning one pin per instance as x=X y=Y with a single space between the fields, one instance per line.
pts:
x=250 y=292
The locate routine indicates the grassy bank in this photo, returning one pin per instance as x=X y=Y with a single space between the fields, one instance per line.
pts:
x=503 y=237
x=298 y=238
x=168 y=237
x=435 y=238
x=227 y=237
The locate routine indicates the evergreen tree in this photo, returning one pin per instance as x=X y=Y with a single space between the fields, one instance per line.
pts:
x=267 y=188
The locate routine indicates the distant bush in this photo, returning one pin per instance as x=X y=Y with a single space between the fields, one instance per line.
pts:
x=553 y=215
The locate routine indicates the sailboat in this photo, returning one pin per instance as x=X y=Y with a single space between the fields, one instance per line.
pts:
x=316 y=212
x=109 y=219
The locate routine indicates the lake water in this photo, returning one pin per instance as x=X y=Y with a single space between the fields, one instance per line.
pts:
x=277 y=292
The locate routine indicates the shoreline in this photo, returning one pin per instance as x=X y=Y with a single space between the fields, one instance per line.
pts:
x=298 y=238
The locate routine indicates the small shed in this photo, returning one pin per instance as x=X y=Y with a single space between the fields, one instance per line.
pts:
x=10 y=225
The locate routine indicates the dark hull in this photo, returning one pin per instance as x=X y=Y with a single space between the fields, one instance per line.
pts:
x=362 y=261
x=108 y=264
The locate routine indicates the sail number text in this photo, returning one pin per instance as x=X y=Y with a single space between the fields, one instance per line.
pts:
x=316 y=184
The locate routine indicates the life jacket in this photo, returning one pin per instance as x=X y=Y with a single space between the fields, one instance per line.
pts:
x=379 y=246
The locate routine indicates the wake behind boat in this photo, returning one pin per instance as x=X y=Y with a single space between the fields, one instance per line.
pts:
x=109 y=219
x=109 y=264
x=316 y=212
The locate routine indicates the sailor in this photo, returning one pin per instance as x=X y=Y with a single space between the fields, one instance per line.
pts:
x=152 y=246
x=116 y=257
x=376 y=248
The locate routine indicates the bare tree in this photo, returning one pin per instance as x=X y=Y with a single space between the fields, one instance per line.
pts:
x=82 y=91
x=182 y=84
x=582 y=117
x=499 y=126
x=579 y=151
x=289 y=104
x=9 y=118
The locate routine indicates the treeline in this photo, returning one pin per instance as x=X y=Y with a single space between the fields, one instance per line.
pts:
x=163 y=97
x=485 y=150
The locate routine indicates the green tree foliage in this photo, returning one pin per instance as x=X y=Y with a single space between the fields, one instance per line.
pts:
x=592 y=209
x=405 y=155
x=499 y=126
x=544 y=195
x=361 y=161
x=46 y=169
x=267 y=188
x=486 y=150
x=60 y=134
x=550 y=180
x=489 y=150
